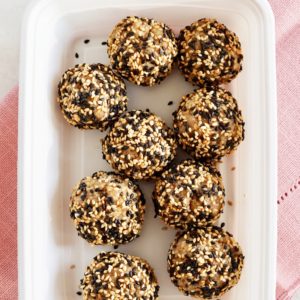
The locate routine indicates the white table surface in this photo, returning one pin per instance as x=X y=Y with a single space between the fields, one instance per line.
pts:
x=11 y=13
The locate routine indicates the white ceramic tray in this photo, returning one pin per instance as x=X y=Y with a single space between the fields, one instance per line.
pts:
x=53 y=156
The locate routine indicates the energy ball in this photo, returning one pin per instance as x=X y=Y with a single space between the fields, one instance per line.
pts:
x=205 y=263
x=107 y=209
x=139 y=145
x=91 y=96
x=189 y=195
x=209 y=53
x=208 y=123
x=142 y=50
x=118 y=276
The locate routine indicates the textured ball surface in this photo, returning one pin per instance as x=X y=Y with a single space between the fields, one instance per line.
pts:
x=189 y=195
x=209 y=123
x=118 y=276
x=205 y=263
x=209 y=53
x=107 y=209
x=142 y=50
x=91 y=96
x=139 y=145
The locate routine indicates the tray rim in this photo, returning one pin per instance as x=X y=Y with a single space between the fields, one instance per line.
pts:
x=24 y=235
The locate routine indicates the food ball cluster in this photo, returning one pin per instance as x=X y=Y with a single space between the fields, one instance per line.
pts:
x=107 y=209
x=205 y=263
x=209 y=123
x=118 y=276
x=189 y=195
x=139 y=145
x=91 y=96
x=142 y=50
x=209 y=53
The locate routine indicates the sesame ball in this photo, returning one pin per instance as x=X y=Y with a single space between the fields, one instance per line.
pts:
x=118 y=276
x=107 y=209
x=91 y=96
x=139 y=145
x=142 y=50
x=209 y=53
x=208 y=123
x=189 y=195
x=205 y=263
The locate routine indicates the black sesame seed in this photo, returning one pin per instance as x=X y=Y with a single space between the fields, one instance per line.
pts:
x=79 y=293
x=170 y=102
x=76 y=55
x=86 y=41
x=104 y=43
x=82 y=186
x=83 y=195
x=110 y=200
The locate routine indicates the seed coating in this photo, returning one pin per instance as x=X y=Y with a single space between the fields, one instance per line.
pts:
x=209 y=53
x=91 y=96
x=139 y=145
x=107 y=209
x=189 y=195
x=142 y=50
x=209 y=123
x=118 y=276
x=205 y=263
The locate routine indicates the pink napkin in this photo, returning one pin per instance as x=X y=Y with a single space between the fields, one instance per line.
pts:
x=8 y=196
x=288 y=75
x=288 y=70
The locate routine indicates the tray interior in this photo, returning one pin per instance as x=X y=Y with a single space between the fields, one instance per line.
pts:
x=62 y=155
